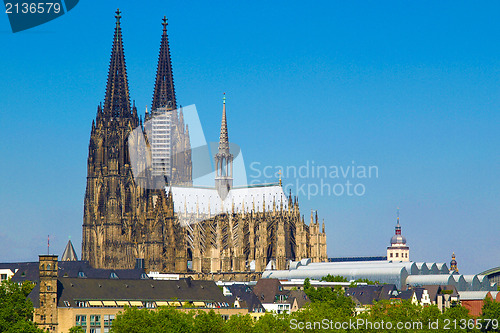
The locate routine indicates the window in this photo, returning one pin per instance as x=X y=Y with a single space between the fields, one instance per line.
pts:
x=80 y=304
x=81 y=274
x=397 y=254
x=3 y=277
x=113 y=275
x=81 y=320
x=67 y=303
x=150 y=305
x=95 y=330
x=391 y=255
x=48 y=288
x=108 y=320
x=95 y=320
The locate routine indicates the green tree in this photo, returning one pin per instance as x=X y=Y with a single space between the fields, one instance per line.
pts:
x=332 y=278
x=165 y=319
x=16 y=312
x=491 y=310
x=239 y=324
x=272 y=323
x=76 y=329
x=208 y=322
x=456 y=312
x=430 y=314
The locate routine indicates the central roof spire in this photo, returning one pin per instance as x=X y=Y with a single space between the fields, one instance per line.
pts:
x=223 y=159
x=164 y=91
x=117 y=100
x=223 y=139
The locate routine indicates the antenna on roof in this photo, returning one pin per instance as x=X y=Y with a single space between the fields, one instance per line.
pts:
x=48 y=244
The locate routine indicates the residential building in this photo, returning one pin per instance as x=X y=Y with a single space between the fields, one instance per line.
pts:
x=63 y=302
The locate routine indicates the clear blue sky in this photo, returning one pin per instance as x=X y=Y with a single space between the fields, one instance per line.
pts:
x=410 y=87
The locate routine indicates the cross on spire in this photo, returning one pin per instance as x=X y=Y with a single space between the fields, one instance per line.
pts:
x=165 y=23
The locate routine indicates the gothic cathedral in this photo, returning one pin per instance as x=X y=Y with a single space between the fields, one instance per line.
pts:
x=178 y=227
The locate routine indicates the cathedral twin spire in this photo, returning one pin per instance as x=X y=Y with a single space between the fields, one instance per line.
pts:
x=117 y=99
x=164 y=92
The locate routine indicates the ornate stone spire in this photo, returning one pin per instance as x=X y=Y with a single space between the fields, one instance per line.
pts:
x=117 y=100
x=224 y=159
x=223 y=139
x=164 y=92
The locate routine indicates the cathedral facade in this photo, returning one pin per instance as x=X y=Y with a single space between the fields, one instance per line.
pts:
x=174 y=226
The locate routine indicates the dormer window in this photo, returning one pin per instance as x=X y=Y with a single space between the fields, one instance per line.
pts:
x=80 y=304
x=113 y=275
x=81 y=274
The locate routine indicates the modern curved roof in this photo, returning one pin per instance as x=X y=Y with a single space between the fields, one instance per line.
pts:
x=410 y=266
x=422 y=267
x=473 y=295
x=399 y=273
x=461 y=284
x=435 y=279
x=433 y=269
x=442 y=268
x=491 y=271
x=395 y=275
x=473 y=282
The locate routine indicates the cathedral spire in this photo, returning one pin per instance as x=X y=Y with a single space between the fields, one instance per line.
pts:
x=224 y=159
x=223 y=139
x=117 y=100
x=164 y=91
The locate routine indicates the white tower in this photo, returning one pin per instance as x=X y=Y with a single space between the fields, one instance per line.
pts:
x=398 y=251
